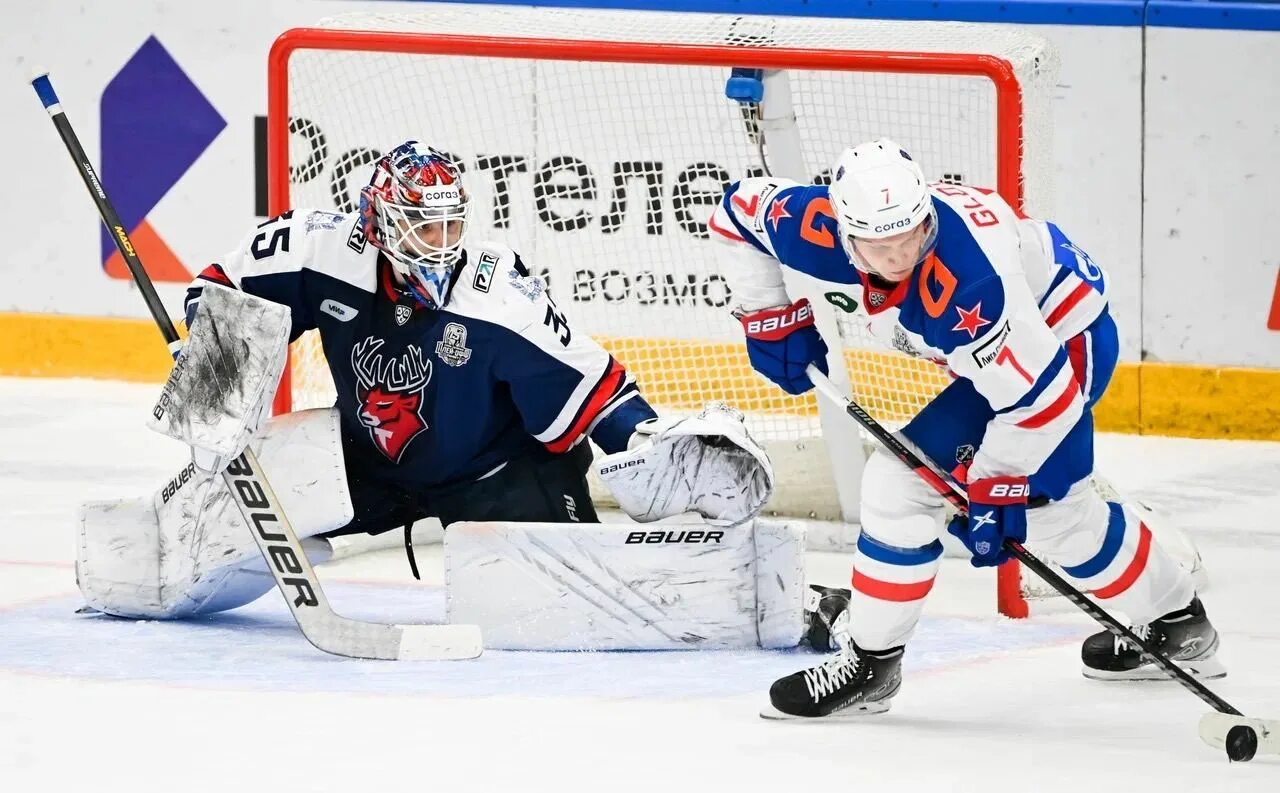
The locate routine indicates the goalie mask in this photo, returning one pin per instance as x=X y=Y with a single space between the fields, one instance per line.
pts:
x=415 y=210
x=883 y=209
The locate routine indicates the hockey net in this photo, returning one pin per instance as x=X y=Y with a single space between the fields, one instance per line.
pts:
x=596 y=144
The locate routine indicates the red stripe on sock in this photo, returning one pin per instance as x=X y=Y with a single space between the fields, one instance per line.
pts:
x=1134 y=569
x=884 y=590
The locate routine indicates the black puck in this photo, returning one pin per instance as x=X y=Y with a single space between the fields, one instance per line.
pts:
x=1242 y=744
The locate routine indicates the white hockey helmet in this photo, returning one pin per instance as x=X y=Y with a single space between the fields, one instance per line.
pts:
x=416 y=211
x=878 y=191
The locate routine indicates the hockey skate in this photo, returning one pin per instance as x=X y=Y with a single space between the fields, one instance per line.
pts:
x=1186 y=636
x=851 y=684
x=826 y=611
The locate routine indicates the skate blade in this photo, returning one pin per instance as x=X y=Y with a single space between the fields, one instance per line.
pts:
x=846 y=714
x=1206 y=669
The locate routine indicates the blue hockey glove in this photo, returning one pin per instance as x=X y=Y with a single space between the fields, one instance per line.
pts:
x=781 y=342
x=997 y=511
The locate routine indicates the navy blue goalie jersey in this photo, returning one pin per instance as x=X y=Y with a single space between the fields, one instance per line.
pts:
x=429 y=398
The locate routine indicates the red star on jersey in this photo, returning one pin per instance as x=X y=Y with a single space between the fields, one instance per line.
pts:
x=971 y=321
x=779 y=211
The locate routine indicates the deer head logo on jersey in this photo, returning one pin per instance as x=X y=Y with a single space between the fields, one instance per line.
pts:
x=391 y=395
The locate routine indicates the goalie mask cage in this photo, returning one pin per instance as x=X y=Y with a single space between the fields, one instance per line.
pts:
x=596 y=143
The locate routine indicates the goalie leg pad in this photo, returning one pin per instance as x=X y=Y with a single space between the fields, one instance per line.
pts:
x=556 y=586
x=187 y=550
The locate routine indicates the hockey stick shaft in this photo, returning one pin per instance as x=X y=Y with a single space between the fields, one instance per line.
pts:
x=958 y=500
x=248 y=484
x=44 y=89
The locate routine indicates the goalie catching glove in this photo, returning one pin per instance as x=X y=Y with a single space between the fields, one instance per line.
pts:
x=708 y=464
x=219 y=392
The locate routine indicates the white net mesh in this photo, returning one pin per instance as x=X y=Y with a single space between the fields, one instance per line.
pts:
x=603 y=174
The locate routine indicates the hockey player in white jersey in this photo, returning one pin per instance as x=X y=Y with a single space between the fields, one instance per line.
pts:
x=1019 y=316
x=463 y=393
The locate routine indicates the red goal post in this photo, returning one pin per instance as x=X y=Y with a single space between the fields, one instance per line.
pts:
x=892 y=384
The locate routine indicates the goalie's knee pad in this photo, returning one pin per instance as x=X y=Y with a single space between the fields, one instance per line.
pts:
x=187 y=550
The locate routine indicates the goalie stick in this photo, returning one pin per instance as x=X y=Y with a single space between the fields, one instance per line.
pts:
x=255 y=499
x=1228 y=728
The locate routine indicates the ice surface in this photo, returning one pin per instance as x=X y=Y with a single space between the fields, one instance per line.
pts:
x=240 y=701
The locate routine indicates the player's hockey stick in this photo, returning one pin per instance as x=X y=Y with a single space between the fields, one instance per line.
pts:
x=1226 y=729
x=253 y=495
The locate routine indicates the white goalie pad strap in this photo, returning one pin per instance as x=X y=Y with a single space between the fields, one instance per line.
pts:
x=780 y=587
x=708 y=464
x=220 y=389
x=571 y=586
x=187 y=550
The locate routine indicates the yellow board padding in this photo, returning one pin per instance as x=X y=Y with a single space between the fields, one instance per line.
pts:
x=1151 y=398
x=1206 y=402
x=103 y=348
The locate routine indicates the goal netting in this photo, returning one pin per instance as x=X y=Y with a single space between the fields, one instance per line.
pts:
x=596 y=144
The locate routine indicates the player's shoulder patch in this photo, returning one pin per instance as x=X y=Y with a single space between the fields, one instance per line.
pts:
x=324 y=226
x=530 y=287
x=486 y=261
x=322 y=220
x=497 y=287
x=486 y=268
x=334 y=245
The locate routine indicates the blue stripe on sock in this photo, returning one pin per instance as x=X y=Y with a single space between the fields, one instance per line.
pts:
x=889 y=554
x=1110 y=546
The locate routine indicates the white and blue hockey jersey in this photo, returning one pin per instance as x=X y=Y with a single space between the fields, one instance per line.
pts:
x=994 y=302
x=431 y=398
